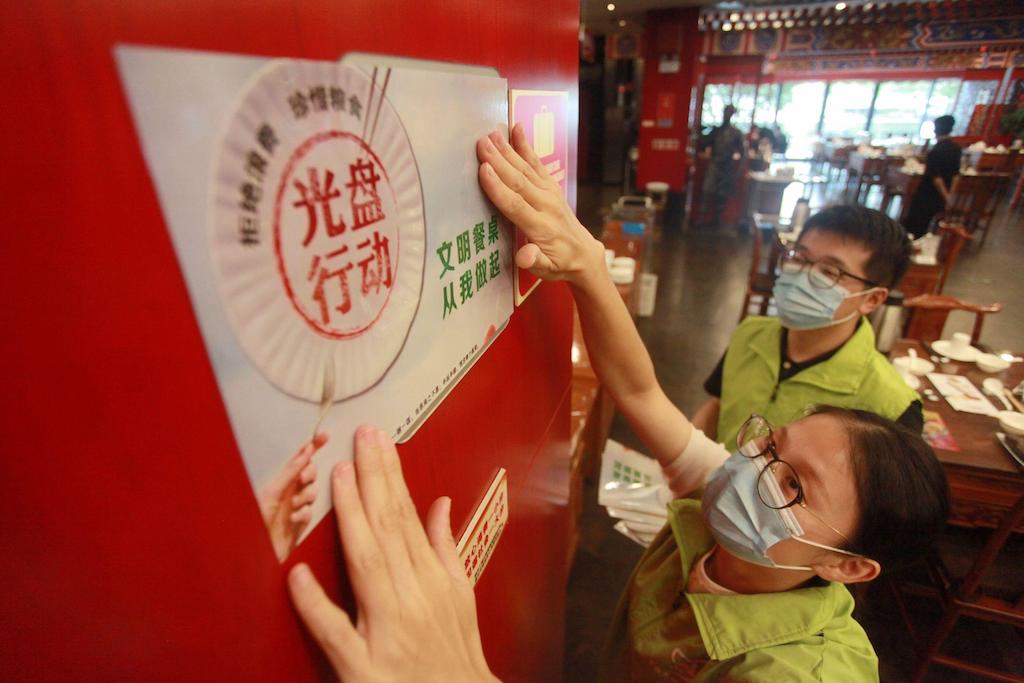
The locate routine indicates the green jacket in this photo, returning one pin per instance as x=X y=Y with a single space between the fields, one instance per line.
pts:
x=857 y=376
x=663 y=633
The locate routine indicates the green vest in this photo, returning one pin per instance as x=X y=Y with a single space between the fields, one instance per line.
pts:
x=857 y=376
x=662 y=633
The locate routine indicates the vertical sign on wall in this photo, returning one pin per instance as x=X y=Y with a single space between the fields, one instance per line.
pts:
x=544 y=116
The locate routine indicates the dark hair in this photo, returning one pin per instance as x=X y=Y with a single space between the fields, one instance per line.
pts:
x=885 y=238
x=901 y=487
x=944 y=125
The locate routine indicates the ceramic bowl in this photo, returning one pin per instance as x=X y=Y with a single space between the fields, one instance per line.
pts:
x=915 y=366
x=989 y=362
x=1011 y=422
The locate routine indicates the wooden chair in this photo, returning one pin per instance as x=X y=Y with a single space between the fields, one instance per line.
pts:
x=954 y=237
x=872 y=172
x=760 y=282
x=838 y=161
x=968 y=596
x=927 y=313
x=973 y=200
x=923 y=278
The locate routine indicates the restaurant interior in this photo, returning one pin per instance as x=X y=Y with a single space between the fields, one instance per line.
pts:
x=848 y=93
x=285 y=393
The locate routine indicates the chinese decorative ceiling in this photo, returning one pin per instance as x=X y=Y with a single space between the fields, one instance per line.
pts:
x=950 y=35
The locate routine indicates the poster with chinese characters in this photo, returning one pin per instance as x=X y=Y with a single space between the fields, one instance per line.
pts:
x=343 y=265
x=544 y=116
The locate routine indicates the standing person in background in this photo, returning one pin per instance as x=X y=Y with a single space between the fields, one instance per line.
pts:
x=941 y=164
x=724 y=149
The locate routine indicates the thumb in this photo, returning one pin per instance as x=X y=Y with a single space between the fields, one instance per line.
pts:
x=439 y=531
x=531 y=257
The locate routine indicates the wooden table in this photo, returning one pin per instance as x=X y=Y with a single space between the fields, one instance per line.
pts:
x=983 y=480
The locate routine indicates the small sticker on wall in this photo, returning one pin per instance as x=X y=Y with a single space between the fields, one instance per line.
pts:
x=478 y=541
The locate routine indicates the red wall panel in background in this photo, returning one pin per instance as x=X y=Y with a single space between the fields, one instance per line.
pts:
x=663 y=143
x=133 y=548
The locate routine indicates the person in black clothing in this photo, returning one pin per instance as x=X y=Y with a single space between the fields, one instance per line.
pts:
x=942 y=163
x=723 y=148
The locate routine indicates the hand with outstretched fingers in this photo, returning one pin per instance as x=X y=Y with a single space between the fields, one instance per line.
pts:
x=515 y=180
x=286 y=501
x=416 y=614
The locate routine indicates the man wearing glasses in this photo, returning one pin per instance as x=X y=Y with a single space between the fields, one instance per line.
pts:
x=819 y=350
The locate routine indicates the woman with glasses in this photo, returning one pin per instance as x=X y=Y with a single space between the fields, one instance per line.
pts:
x=744 y=583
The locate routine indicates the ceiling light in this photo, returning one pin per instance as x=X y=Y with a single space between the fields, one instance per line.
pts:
x=727 y=26
x=734 y=17
x=760 y=16
x=790 y=23
x=611 y=6
x=776 y=24
x=622 y=22
x=840 y=6
x=740 y=26
x=773 y=15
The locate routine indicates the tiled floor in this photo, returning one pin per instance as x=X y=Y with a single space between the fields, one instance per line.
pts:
x=702 y=277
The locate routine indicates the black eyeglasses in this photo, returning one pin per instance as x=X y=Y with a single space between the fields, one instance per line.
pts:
x=822 y=275
x=778 y=484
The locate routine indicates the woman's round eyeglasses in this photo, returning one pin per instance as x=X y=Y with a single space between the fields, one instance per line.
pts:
x=778 y=484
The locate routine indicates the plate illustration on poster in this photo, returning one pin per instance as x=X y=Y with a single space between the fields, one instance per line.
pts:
x=317 y=227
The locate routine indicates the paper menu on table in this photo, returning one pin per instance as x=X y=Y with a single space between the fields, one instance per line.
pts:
x=961 y=394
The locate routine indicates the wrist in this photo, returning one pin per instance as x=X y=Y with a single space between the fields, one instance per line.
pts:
x=591 y=269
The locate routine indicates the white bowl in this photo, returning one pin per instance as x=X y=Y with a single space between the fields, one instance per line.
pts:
x=989 y=362
x=915 y=366
x=1011 y=422
x=912 y=382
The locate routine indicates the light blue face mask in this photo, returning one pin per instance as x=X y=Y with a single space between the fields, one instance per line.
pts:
x=741 y=523
x=802 y=306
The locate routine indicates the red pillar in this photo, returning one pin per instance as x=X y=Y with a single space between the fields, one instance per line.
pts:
x=664 y=120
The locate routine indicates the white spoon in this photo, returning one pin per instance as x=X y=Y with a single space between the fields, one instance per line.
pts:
x=994 y=387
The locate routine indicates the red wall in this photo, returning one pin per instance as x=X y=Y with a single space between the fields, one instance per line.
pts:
x=672 y=30
x=133 y=548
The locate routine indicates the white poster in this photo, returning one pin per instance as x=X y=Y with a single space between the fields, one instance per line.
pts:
x=341 y=260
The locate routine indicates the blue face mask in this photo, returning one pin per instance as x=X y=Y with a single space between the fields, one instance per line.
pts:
x=741 y=523
x=802 y=306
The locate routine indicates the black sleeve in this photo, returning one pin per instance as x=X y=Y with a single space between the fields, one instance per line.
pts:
x=912 y=418
x=713 y=384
